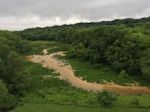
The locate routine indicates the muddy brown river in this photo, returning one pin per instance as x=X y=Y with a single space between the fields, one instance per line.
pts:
x=67 y=73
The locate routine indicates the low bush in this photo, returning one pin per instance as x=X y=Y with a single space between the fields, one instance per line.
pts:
x=135 y=102
x=107 y=99
x=7 y=101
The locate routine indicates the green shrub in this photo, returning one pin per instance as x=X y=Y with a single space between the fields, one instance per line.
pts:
x=123 y=74
x=41 y=93
x=7 y=100
x=107 y=99
x=135 y=102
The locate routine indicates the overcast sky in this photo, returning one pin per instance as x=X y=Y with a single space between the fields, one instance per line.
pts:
x=21 y=14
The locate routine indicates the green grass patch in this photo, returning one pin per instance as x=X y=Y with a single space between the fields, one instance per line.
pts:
x=42 y=107
x=102 y=74
x=57 y=95
x=38 y=46
x=54 y=90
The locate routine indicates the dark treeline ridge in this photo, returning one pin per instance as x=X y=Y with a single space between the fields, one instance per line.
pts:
x=54 y=32
x=13 y=78
x=122 y=44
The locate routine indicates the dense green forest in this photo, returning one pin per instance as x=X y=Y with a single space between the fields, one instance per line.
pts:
x=13 y=79
x=122 y=44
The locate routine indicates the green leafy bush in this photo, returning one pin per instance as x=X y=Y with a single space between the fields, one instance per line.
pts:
x=7 y=100
x=135 y=102
x=107 y=99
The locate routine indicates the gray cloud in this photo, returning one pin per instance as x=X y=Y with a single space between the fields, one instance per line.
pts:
x=20 y=14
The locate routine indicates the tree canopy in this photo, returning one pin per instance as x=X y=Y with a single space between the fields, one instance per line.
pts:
x=122 y=44
x=13 y=80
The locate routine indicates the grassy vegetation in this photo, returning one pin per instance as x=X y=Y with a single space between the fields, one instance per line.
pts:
x=102 y=74
x=38 y=46
x=57 y=95
x=53 y=90
x=41 y=107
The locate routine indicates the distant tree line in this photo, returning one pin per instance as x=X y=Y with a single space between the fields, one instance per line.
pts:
x=122 y=44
